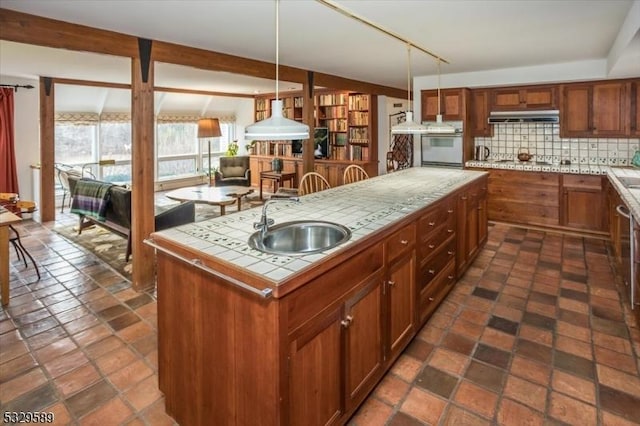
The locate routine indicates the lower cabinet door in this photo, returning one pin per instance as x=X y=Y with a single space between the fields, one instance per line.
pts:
x=363 y=341
x=401 y=295
x=315 y=371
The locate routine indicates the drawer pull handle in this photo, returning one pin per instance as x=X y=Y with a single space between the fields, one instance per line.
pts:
x=404 y=242
x=464 y=197
x=450 y=231
x=432 y=272
x=450 y=211
x=347 y=321
x=431 y=223
x=431 y=299
x=450 y=277
x=450 y=252
x=431 y=246
x=391 y=283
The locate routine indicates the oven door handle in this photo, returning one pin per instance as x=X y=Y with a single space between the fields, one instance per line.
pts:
x=623 y=210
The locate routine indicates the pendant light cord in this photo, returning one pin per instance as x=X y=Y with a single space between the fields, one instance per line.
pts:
x=277 y=47
x=409 y=77
x=438 y=86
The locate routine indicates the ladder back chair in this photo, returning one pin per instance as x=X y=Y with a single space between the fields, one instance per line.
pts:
x=354 y=173
x=312 y=182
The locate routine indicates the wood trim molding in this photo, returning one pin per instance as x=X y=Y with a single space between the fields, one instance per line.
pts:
x=31 y=29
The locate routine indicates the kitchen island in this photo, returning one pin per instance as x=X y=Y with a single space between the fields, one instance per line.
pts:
x=251 y=338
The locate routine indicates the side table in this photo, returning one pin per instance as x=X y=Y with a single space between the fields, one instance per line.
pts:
x=278 y=179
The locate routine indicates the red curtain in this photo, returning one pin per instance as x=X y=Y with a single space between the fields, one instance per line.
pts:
x=8 y=170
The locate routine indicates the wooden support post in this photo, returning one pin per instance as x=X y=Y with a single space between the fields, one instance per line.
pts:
x=308 y=118
x=47 y=202
x=142 y=174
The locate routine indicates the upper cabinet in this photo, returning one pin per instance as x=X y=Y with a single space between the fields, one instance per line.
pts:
x=634 y=89
x=452 y=104
x=479 y=125
x=601 y=109
x=523 y=98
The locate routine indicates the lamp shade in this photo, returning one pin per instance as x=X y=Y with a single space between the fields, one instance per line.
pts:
x=440 y=127
x=277 y=127
x=209 y=128
x=408 y=127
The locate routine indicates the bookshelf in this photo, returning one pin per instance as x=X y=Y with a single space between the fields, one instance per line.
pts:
x=351 y=119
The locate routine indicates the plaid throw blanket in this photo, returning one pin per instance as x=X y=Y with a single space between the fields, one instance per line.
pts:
x=90 y=198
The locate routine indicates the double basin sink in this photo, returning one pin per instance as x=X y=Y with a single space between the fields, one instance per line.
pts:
x=300 y=237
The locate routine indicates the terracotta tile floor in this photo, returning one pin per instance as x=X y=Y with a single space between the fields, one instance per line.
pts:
x=534 y=333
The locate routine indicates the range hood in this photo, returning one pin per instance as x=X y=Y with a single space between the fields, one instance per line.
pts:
x=545 y=116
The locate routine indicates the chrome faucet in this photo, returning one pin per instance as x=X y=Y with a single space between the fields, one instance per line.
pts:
x=264 y=223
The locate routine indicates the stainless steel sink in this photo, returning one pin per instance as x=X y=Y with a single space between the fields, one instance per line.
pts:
x=630 y=182
x=300 y=237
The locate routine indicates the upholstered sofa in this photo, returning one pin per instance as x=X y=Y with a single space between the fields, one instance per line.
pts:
x=233 y=171
x=118 y=214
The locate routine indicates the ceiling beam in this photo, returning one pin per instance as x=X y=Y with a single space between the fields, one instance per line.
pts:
x=31 y=29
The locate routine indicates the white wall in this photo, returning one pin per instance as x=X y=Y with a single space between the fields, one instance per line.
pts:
x=26 y=122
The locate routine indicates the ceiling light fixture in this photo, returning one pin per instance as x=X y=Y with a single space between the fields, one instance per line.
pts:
x=409 y=126
x=277 y=127
x=439 y=126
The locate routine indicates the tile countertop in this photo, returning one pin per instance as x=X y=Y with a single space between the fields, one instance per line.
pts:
x=364 y=207
x=531 y=166
x=631 y=196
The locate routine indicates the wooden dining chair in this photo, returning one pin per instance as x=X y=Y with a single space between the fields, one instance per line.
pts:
x=354 y=173
x=312 y=182
x=20 y=207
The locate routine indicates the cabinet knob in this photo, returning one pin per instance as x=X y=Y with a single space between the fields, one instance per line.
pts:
x=431 y=223
x=432 y=272
x=431 y=299
x=450 y=277
x=450 y=231
x=391 y=283
x=450 y=211
x=431 y=246
x=347 y=321
x=450 y=252
x=404 y=242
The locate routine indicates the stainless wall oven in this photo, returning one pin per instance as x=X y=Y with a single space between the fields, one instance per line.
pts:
x=442 y=149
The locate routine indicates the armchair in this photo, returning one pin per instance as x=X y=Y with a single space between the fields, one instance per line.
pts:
x=233 y=171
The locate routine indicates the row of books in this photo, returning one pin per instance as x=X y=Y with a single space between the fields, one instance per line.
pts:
x=358 y=118
x=358 y=133
x=275 y=148
x=334 y=112
x=332 y=99
x=359 y=153
x=337 y=125
x=293 y=102
x=359 y=102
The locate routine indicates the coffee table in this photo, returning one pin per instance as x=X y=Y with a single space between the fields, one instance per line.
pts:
x=221 y=196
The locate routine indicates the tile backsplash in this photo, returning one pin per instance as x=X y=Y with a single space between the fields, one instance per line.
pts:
x=544 y=142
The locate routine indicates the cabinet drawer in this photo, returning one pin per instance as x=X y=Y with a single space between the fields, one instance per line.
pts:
x=519 y=212
x=582 y=181
x=517 y=178
x=428 y=223
x=400 y=242
x=534 y=194
x=431 y=296
x=432 y=243
x=432 y=267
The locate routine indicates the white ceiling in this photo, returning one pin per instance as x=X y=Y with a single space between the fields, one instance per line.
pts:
x=473 y=35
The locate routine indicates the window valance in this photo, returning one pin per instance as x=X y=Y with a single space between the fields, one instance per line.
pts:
x=77 y=117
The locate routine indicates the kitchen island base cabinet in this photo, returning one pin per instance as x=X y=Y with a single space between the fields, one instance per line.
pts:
x=310 y=354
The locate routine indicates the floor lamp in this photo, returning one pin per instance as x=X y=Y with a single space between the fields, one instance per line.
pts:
x=209 y=128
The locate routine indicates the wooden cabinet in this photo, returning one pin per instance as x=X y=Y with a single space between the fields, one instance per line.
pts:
x=451 y=105
x=400 y=290
x=471 y=207
x=436 y=256
x=479 y=125
x=332 y=172
x=634 y=125
x=524 y=197
x=524 y=98
x=595 y=110
x=583 y=203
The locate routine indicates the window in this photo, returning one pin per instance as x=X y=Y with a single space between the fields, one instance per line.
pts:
x=75 y=143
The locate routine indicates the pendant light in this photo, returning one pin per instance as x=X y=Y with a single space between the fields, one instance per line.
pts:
x=277 y=127
x=409 y=126
x=439 y=126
